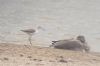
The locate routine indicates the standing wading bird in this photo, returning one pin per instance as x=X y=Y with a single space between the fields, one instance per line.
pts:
x=78 y=44
x=30 y=32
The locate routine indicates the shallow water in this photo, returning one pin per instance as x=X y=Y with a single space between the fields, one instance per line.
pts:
x=53 y=20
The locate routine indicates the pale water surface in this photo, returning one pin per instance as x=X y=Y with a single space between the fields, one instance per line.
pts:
x=53 y=20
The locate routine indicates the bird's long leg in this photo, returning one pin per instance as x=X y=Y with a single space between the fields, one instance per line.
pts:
x=30 y=39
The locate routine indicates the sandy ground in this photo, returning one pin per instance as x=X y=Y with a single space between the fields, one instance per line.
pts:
x=20 y=55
